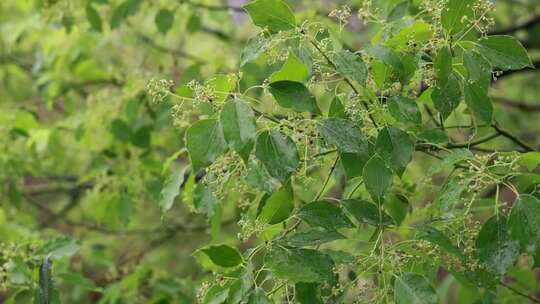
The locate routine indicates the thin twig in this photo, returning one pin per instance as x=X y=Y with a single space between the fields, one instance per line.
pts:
x=513 y=138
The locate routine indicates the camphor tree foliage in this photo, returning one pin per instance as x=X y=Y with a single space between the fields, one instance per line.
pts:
x=377 y=151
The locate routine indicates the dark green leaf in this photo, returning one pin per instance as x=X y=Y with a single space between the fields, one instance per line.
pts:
x=504 y=52
x=220 y=258
x=300 y=265
x=272 y=14
x=478 y=69
x=524 y=223
x=478 y=102
x=164 y=20
x=351 y=66
x=278 y=154
x=258 y=177
x=278 y=206
x=337 y=109
x=397 y=207
x=93 y=18
x=412 y=288
x=313 y=238
x=353 y=163
x=205 y=142
x=395 y=147
x=377 y=177
x=455 y=157
x=456 y=15
x=344 y=134
x=324 y=214
x=446 y=98
x=495 y=247
x=294 y=95
x=258 y=296
x=307 y=293
x=404 y=110
x=367 y=213
x=239 y=128
x=443 y=66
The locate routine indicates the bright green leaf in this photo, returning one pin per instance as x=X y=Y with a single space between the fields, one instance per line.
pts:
x=239 y=128
x=504 y=52
x=377 y=177
x=219 y=258
x=164 y=20
x=412 y=288
x=272 y=14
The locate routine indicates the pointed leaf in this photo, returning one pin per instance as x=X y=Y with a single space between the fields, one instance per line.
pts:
x=278 y=154
x=205 y=142
x=294 y=95
x=324 y=214
x=272 y=14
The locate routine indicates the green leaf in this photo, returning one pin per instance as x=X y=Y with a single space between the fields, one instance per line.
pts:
x=293 y=69
x=278 y=154
x=351 y=66
x=438 y=238
x=367 y=213
x=278 y=206
x=504 y=52
x=307 y=293
x=456 y=15
x=254 y=48
x=205 y=201
x=417 y=33
x=17 y=271
x=124 y=10
x=313 y=238
x=495 y=248
x=294 y=95
x=353 y=163
x=324 y=214
x=450 y=194
x=239 y=127
x=446 y=98
x=258 y=177
x=171 y=189
x=300 y=265
x=219 y=258
x=478 y=102
x=397 y=207
x=59 y=248
x=377 y=177
x=222 y=84
x=395 y=147
x=455 y=157
x=524 y=223
x=93 y=18
x=164 y=20
x=412 y=288
x=272 y=14
x=443 y=65
x=404 y=110
x=344 y=134
x=530 y=160
x=478 y=69
x=205 y=142
x=258 y=296
x=337 y=110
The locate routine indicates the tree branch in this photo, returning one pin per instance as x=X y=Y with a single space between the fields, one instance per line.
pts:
x=516 y=104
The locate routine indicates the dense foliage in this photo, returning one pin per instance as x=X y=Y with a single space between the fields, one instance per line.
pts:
x=269 y=151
